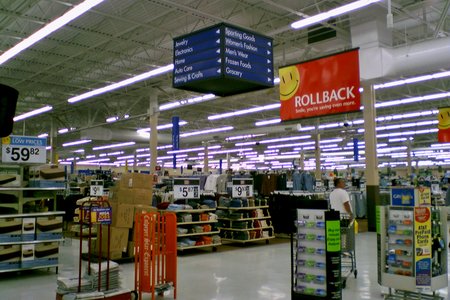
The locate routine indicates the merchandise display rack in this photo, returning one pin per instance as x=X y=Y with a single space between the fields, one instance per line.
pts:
x=20 y=251
x=316 y=255
x=265 y=232
x=412 y=251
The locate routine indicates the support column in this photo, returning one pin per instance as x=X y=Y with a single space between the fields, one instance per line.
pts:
x=302 y=160
x=153 y=114
x=370 y=137
x=228 y=161
x=408 y=159
x=206 y=160
x=318 y=173
x=53 y=133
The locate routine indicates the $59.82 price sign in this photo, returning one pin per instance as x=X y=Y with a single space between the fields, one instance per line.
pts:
x=242 y=187
x=24 y=149
x=186 y=188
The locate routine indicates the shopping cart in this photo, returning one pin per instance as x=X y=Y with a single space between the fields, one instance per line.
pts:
x=348 y=255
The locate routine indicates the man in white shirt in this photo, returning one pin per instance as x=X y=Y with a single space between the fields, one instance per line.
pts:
x=339 y=198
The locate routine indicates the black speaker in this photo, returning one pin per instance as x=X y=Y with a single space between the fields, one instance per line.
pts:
x=8 y=102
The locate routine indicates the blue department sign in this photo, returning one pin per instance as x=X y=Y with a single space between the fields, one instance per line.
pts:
x=206 y=59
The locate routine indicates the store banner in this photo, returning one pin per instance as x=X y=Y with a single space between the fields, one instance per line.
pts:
x=147 y=236
x=324 y=86
x=444 y=125
x=175 y=138
x=355 y=149
x=423 y=242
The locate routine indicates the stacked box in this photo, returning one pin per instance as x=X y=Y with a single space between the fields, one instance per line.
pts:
x=49 y=227
x=10 y=257
x=46 y=253
x=47 y=176
x=10 y=229
x=27 y=257
x=10 y=176
x=28 y=229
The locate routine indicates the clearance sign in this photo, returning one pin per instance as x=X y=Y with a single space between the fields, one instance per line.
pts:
x=328 y=85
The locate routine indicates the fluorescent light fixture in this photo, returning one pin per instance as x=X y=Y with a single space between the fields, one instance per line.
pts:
x=80 y=142
x=120 y=84
x=48 y=29
x=394 y=140
x=268 y=122
x=244 y=137
x=33 y=113
x=78 y=151
x=43 y=135
x=114 y=146
x=184 y=102
x=193 y=149
x=48 y=148
x=63 y=130
x=241 y=150
x=292 y=138
x=412 y=80
x=161 y=127
x=90 y=156
x=412 y=100
x=332 y=13
x=407 y=133
x=244 y=111
x=220 y=129
x=112 y=119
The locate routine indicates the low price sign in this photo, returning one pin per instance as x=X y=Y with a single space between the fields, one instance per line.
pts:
x=242 y=187
x=24 y=149
x=186 y=188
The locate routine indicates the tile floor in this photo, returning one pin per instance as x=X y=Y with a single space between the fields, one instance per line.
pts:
x=251 y=272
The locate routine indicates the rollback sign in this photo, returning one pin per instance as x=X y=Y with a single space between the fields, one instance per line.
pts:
x=328 y=85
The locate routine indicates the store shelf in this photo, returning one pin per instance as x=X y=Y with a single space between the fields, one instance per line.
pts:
x=198 y=233
x=31 y=268
x=199 y=246
x=191 y=210
x=246 y=219
x=197 y=222
x=242 y=208
x=248 y=241
x=31 y=189
x=31 y=242
x=247 y=229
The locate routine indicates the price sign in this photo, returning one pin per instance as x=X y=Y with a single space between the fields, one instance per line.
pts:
x=290 y=184
x=97 y=215
x=24 y=149
x=186 y=188
x=242 y=187
x=96 y=189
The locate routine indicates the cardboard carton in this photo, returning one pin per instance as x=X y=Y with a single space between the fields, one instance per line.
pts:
x=49 y=227
x=10 y=229
x=27 y=257
x=28 y=229
x=122 y=215
x=10 y=257
x=118 y=239
x=46 y=253
x=136 y=181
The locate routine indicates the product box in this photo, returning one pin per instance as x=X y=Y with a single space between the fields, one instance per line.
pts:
x=10 y=257
x=28 y=228
x=47 y=176
x=46 y=253
x=10 y=176
x=10 y=229
x=121 y=195
x=142 y=196
x=27 y=257
x=47 y=183
x=130 y=249
x=136 y=181
x=118 y=239
x=49 y=227
x=122 y=215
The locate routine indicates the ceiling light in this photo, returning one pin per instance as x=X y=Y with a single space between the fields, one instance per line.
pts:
x=33 y=113
x=48 y=29
x=239 y=150
x=220 y=129
x=332 y=13
x=244 y=111
x=412 y=80
x=193 y=149
x=80 y=142
x=243 y=137
x=161 y=127
x=412 y=100
x=268 y=122
x=114 y=146
x=122 y=83
x=63 y=130
x=188 y=101
x=112 y=119
x=43 y=135
x=48 y=148
x=78 y=151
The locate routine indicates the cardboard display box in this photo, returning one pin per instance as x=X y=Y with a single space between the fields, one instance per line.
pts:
x=10 y=257
x=46 y=253
x=49 y=227
x=132 y=196
x=122 y=215
x=10 y=229
x=10 y=176
x=27 y=257
x=118 y=239
x=28 y=229
x=136 y=181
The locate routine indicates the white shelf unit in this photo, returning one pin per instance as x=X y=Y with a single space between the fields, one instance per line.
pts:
x=28 y=248
x=262 y=233
x=24 y=195
x=196 y=235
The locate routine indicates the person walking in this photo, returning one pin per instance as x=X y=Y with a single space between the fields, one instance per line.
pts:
x=340 y=199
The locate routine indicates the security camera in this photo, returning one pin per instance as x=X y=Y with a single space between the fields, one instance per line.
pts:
x=347 y=123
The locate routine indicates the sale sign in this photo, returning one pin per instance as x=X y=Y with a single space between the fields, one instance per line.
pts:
x=444 y=125
x=423 y=243
x=328 y=85
x=24 y=149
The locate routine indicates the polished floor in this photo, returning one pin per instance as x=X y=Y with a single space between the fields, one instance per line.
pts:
x=251 y=272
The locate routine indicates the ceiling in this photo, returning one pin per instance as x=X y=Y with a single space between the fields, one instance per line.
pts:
x=119 y=39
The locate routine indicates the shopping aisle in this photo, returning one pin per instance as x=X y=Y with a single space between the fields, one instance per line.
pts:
x=252 y=272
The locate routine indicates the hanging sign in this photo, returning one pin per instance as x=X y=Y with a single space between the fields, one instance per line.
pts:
x=242 y=187
x=24 y=149
x=186 y=188
x=324 y=86
x=423 y=242
x=444 y=125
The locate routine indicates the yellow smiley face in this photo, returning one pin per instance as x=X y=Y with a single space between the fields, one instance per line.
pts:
x=6 y=140
x=444 y=118
x=289 y=82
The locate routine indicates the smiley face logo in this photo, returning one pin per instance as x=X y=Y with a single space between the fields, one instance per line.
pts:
x=444 y=118
x=289 y=82
x=6 y=140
